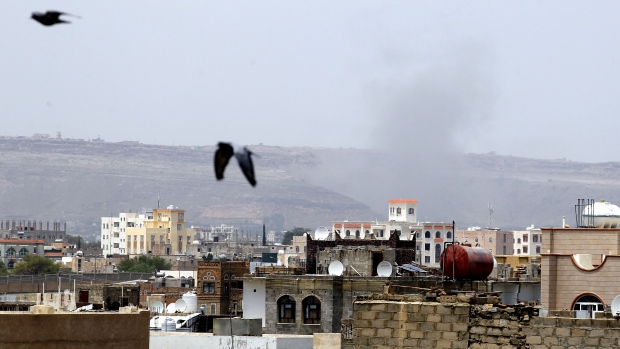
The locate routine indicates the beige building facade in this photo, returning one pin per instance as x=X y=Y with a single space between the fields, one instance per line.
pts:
x=498 y=242
x=163 y=233
x=580 y=268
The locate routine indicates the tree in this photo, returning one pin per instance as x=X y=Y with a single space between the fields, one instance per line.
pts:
x=208 y=257
x=3 y=270
x=144 y=264
x=288 y=236
x=32 y=264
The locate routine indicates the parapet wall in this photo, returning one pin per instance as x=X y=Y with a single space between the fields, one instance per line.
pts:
x=398 y=322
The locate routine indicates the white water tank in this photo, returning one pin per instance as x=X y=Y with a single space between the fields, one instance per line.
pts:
x=191 y=300
x=603 y=214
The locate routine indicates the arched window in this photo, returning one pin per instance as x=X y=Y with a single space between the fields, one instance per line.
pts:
x=437 y=234
x=411 y=210
x=348 y=233
x=366 y=232
x=357 y=234
x=312 y=310
x=437 y=252
x=286 y=310
x=398 y=210
x=449 y=235
x=10 y=252
x=427 y=234
x=23 y=252
x=589 y=304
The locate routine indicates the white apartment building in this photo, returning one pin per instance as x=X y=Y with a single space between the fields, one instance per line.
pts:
x=528 y=242
x=402 y=218
x=113 y=231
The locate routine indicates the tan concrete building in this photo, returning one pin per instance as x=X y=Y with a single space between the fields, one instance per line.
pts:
x=163 y=233
x=580 y=268
x=498 y=242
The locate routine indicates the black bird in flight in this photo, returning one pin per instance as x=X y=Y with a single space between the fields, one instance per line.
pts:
x=50 y=17
x=223 y=154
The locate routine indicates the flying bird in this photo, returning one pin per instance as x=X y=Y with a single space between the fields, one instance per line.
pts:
x=50 y=17
x=244 y=157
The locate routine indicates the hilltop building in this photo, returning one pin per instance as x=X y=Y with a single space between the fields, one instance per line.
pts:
x=12 y=251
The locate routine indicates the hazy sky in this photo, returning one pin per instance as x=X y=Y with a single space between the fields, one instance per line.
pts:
x=523 y=78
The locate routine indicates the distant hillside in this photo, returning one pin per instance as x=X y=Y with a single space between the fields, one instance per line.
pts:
x=80 y=181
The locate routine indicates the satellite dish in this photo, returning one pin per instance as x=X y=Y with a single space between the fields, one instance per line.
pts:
x=180 y=305
x=157 y=307
x=615 y=306
x=321 y=233
x=335 y=268
x=384 y=269
x=171 y=309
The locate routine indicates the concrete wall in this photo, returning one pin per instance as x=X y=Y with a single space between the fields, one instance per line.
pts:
x=254 y=298
x=166 y=340
x=75 y=331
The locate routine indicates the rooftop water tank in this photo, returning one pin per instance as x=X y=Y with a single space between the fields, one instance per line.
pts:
x=466 y=263
x=603 y=214
x=191 y=300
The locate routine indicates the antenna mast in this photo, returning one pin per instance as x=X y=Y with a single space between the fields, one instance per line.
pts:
x=158 y=198
x=490 y=215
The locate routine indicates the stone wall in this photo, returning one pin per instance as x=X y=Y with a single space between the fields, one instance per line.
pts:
x=395 y=321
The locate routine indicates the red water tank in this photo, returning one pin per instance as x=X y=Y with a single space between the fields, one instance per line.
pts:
x=466 y=262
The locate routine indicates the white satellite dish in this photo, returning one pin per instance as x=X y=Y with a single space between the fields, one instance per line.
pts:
x=384 y=269
x=321 y=233
x=180 y=305
x=171 y=309
x=335 y=268
x=157 y=307
x=615 y=306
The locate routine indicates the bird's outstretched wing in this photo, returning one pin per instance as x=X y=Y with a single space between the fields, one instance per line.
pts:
x=223 y=153
x=245 y=162
x=55 y=15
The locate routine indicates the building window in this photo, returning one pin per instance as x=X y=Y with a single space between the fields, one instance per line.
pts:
x=476 y=239
x=518 y=251
x=417 y=235
x=437 y=252
x=437 y=234
x=591 y=304
x=23 y=252
x=449 y=235
x=357 y=234
x=398 y=210
x=366 y=232
x=208 y=287
x=410 y=210
x=504 y=238
x=427 y=235
x=524 y=249
x=535 y=238
x=286 y=310
x=427 y=247
x=348 y=233
x=504 y=250
x=213 y=309
x=427 y=259
x=296 y=249
x=524 y=238
x=181 y=216
x=178 y=226
x=518 y=240
x=312 y=310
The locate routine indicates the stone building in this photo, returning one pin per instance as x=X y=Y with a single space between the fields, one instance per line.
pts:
x=580 y=268
x=111 y=296
x=219 y=286
x=402 y=251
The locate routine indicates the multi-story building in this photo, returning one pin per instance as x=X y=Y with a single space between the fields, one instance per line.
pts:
x=528 y=242
x=12 y=251
x=161 y=231
x=498 y=242
x=220 y=289
x=114 y=234
x=402 y=219
x=33 y=230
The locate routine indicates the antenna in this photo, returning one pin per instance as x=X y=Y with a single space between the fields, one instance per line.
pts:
x=158 y=198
